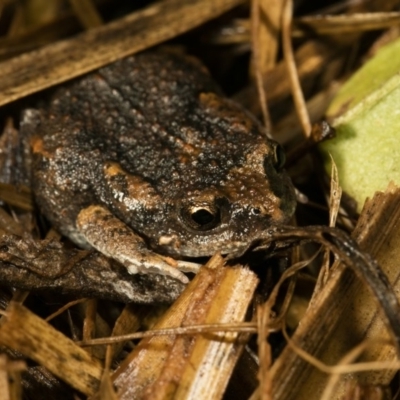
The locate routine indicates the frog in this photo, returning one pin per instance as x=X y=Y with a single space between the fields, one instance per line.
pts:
x=146 y=161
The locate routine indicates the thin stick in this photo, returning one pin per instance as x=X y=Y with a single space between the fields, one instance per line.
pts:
x=242 y=327
x=64 y=308
x=298 y=97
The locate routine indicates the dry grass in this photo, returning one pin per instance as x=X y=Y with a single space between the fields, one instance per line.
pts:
x=66 y=331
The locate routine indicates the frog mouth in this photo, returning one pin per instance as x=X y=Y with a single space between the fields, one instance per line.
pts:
x=203 y=247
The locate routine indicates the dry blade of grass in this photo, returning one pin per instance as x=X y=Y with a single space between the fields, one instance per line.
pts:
x=265 y=27
x=266 y=324
x=87 y=13
x=239 y=30
x=335 y=196
x=311 y=59
x=107 y=391
x=257 y=61
x=89 y=322
x=334 y=206
x=23 y=331
x=346 y=23
x=267 y=33
x=208 y=369
x=288 y=54
x=334 y=377
x=20 y=197
x=9 y=224
x=343 y=312
x=152 y=352
x=10 y=378
x=130 y=321
x=58 y=62
x=184 y=366
x=34 y=37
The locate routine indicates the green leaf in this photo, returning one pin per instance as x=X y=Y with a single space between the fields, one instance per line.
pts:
x=366 y=115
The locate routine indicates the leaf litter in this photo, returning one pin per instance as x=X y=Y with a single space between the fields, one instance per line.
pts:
x=208 y=347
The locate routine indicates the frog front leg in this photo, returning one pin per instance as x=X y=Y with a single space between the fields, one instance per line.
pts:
x=109 y=235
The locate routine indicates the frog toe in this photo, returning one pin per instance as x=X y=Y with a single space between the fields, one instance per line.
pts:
x=187 y=266
x=156 y=267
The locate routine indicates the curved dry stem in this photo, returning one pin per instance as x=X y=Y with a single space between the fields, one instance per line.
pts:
x=276 y=323
x=348 y=251
x=64 y=308
x=350 y=357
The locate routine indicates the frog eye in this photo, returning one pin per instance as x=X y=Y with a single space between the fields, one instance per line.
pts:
x=279 y=157
x=201 y=217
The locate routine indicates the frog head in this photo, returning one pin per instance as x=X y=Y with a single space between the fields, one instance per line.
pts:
x=229 y=215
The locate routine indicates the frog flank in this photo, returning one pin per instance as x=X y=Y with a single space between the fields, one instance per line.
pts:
x=146 y=161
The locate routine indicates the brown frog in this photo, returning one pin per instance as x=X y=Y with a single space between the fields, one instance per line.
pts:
x=147 y=162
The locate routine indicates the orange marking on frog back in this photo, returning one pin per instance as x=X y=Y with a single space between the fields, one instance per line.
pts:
x=112 y=169
x=224 y=108
x=137 y=188
x=37 y=147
